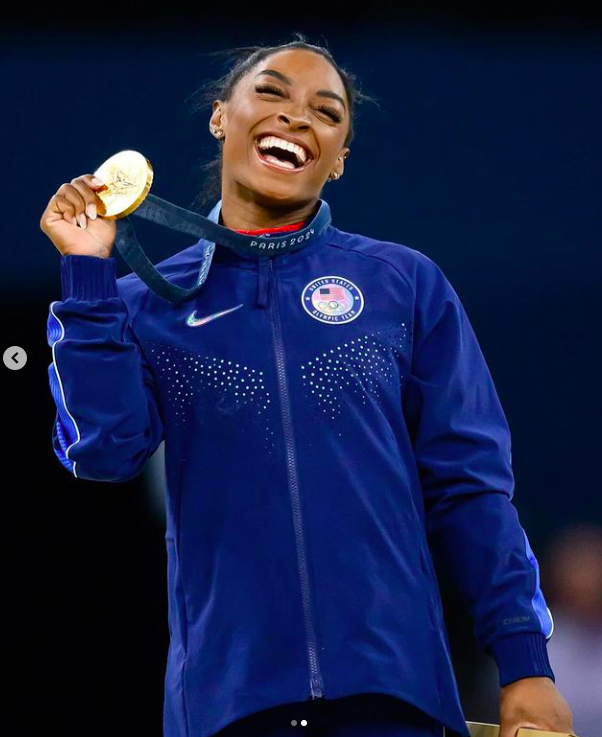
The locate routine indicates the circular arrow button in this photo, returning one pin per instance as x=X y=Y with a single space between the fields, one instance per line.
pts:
x=14 y=358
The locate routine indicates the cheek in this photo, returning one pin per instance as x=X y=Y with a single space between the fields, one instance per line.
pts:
x=237 y=151
x=330 y=147
x=239 y=139
x=326 y=163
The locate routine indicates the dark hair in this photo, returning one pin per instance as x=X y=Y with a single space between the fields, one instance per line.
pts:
x=246 y=58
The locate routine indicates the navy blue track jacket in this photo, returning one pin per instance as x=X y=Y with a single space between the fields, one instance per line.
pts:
x=332 y=437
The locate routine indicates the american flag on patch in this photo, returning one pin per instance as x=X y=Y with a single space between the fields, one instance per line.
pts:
x=333 y=292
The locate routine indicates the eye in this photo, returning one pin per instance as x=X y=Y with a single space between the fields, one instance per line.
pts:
x=330 y=111
x=268 y=88
x=334 y=114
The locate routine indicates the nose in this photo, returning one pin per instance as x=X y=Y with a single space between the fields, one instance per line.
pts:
x=298 y=122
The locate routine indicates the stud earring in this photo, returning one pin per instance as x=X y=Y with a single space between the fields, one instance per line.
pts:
x=217 y=132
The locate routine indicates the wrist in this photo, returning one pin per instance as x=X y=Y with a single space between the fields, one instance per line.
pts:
x=526 y=679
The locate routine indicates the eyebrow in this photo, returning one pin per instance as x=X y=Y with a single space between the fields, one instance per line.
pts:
x=286 y=80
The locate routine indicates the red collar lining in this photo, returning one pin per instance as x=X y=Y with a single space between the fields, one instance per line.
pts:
x=278 y=229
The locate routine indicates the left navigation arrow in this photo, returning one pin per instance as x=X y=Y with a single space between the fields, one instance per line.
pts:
x=14 y=358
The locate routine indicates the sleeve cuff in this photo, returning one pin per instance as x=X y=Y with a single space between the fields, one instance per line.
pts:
x=524 y=655
x=88 y=277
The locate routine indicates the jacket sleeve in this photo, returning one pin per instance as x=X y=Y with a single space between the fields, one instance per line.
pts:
x=107 y=422
x=462 y=446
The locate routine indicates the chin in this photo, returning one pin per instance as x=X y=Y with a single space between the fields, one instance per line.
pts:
x=279 y=195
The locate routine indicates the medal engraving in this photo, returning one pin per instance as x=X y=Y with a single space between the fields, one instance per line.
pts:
x=128 y=176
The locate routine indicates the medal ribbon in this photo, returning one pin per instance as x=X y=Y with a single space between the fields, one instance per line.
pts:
x=177 y=218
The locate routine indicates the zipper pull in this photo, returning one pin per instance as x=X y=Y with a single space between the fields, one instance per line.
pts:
x=262 y=281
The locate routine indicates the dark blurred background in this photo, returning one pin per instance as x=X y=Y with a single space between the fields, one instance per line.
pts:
x=484 y=154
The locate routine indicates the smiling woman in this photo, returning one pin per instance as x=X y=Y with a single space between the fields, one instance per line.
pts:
x=331 y=432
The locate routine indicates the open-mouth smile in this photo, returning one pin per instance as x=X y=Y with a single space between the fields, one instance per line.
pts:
x=278 y=153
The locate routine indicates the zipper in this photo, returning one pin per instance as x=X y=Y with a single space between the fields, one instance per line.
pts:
x=262 y=280
x=315 y=680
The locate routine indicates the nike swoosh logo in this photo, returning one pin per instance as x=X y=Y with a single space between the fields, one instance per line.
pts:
x=193 y=321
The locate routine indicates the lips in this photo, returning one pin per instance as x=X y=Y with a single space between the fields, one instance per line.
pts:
x=277 y=167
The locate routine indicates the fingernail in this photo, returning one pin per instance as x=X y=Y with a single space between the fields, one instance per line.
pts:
x=91 y=211
x=96 y=181
x=82 y=220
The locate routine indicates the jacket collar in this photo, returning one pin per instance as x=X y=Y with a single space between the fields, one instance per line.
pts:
x=254 y=247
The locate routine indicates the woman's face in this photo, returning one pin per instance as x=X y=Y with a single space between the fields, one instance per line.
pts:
x=294 y=94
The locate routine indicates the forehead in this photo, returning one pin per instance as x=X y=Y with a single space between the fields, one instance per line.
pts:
x=303 y=67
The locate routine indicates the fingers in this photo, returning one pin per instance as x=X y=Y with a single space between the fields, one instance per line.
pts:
x=65 y=207
x=81 y=198
x=85 y=185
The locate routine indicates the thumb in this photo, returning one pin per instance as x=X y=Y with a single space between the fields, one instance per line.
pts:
x=97 y=183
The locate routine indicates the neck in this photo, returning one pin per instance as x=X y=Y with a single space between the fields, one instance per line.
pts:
x=240 y=214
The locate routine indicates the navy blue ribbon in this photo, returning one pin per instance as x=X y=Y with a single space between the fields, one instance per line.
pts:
x=207 y=228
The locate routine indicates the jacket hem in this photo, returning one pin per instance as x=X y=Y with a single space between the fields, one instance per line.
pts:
x=450 y=726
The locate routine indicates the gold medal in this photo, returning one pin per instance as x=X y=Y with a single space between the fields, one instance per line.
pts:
x=128 y=176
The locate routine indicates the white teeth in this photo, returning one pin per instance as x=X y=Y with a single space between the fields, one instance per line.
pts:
x=273 y=141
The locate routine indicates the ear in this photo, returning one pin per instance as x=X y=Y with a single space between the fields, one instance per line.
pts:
x=340 y=165
x=217 y=117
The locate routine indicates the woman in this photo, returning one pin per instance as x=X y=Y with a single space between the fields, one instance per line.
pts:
x=329 y=424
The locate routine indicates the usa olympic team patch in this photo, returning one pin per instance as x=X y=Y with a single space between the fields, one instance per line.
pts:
x=332 y=299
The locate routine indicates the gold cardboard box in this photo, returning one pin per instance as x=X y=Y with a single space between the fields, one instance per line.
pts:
x=479 y=729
